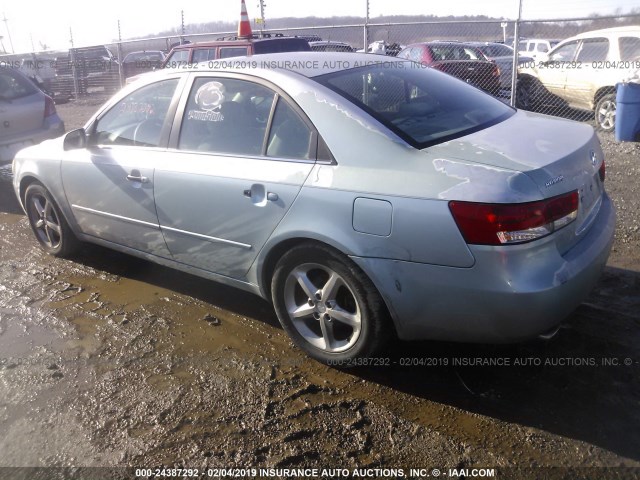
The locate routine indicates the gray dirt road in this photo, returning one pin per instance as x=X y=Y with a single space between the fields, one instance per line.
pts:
x=109 y=360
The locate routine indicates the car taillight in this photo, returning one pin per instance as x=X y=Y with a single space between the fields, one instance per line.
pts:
x=602 y=171
x=500 y=223
x=49 y=106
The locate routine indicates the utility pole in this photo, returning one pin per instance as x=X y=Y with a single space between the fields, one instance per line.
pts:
x=366 y=27
x=514 y=70
x=6 y=26
x=182 y=29
x=262 y=22
x=504 y=31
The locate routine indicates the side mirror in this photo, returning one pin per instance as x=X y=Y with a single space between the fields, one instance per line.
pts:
x=75 y=140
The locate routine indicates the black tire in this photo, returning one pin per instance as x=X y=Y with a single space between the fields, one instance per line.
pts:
x=48 y=223
x=525 y=94
x=605 y=113
x=348 y=320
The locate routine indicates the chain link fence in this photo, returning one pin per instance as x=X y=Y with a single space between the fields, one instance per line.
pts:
x=575 y=81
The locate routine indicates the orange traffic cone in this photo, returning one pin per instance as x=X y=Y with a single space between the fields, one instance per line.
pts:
x=244 y=27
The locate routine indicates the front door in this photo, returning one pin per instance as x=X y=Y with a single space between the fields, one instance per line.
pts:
x=109 y=185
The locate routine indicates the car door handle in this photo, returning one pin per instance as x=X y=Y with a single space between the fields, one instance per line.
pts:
x=258 y=195
x=135 y=176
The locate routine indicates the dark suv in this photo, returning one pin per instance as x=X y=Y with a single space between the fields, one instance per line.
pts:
x=95 y=67
x=233 y=47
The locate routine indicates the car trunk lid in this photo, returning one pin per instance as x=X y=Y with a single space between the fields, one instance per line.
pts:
x=559 y=155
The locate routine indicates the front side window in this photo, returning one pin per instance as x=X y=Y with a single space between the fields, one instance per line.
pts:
x=565 y=53
x=225 y=115
x=138 y=118
x=594 y=50
x=177 y=58
x=423 y=106
x=629 y=48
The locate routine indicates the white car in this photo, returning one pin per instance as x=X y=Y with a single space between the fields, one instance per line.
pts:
x=582 y=72
x=536 y=47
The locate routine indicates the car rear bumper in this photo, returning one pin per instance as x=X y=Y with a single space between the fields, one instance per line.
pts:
x=511 y=293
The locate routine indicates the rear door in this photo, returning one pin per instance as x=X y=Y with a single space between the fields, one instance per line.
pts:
x=240 y=153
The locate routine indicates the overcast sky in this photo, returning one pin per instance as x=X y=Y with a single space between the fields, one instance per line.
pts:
x=95 y=22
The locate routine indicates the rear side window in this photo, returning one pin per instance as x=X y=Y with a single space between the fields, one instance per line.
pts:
x=228 y=52
x=629 y=48
x=421 y=105
x=594 y=50
x=13 y=85
x=203 y=55
x=496 y=51
x=289 y=137
x=542 y=48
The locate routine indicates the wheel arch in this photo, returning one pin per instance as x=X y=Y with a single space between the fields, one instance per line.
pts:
x=601 y=92
x=269 y=261
x=29 y=179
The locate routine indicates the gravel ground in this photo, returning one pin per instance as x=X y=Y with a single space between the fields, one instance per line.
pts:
x=108 y=360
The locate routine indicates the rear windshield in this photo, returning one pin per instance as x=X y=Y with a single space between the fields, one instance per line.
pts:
x=13 y=85
x=420 y=104
x=496 y=50
x=278 y=45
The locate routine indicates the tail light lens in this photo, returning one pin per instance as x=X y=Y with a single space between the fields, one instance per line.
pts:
x=49 y=106
x=602 y=171
x=500 y=223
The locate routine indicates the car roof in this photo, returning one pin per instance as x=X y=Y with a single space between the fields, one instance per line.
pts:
x=609 y=31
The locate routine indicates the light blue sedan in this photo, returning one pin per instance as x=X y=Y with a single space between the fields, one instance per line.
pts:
x=366 y=196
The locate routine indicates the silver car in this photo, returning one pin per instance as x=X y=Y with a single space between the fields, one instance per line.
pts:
x=27 y=115
x=366 y=197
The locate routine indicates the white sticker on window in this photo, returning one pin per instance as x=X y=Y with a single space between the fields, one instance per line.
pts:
x=209 y=98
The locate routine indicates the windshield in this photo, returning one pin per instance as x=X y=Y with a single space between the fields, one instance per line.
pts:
x=420 y=104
